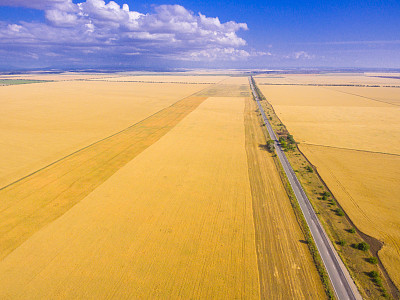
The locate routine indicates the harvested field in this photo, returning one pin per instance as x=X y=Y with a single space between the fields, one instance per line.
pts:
x=40 y=123
x=286 y=267
x=164 y=226
x=367 y=187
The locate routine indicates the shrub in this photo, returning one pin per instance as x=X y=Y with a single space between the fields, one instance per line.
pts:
x=373 y=274
x=290 y=139
x=385 y=294
x=362 y=246
x=309 y=169
x=352 y=230
x=326 y=194
x=341 y=242
x=339 y=212
x=378 y=281
x=270 y=146
x=270 y=118
x=372 y=260
x=324 y=198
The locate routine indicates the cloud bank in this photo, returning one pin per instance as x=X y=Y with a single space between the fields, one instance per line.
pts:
x=96 y=27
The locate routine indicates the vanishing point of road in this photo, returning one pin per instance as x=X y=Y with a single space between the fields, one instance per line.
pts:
x=340 y=278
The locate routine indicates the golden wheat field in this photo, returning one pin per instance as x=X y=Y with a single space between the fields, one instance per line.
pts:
x=352 y=136
x=317 y=115
x=331 y=79
x=40 y=123
x=382 y=94
x=168 y=78
x=367 y=186
x=164 y=193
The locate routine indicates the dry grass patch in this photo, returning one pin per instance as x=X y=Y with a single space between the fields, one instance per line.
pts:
x=175 y=222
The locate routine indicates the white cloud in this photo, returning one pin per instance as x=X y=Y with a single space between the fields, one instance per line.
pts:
x=96 y=26
x=300 y=55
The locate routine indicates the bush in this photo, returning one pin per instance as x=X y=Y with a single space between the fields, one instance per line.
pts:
x=372 y=260
x=339 y=212
x=341 y=242
x=378 y=281
x=310 y=170
x=270 y=118
x=324 y=197
x=290 y=139
x=270 y=146
x=362 y=246
x=385 y=294
x=326 y=194
x=352 y=230
x=373 y=274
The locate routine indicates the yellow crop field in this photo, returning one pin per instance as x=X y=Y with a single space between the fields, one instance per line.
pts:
x=40 y=123
x=50 y=192
x=382 y=94
x=344 y=79
x=353 y=138
x=168 y=78
x=164 y=226
x=285 y=264
x=317 y=115
x=367 y=187
x=180 y=203
x=330 y=79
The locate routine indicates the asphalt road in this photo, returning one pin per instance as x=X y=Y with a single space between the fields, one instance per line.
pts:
x=340 y=278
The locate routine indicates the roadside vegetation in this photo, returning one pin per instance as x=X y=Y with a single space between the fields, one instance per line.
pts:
x=354 y=250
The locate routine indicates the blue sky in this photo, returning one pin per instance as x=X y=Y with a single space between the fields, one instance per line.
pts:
x=178 y=34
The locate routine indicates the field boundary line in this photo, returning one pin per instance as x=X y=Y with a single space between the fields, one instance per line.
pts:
x=349 y=149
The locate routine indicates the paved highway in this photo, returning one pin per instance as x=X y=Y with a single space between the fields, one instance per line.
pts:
x=340 y=278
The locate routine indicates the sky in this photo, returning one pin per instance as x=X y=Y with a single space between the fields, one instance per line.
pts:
x=164 y=34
